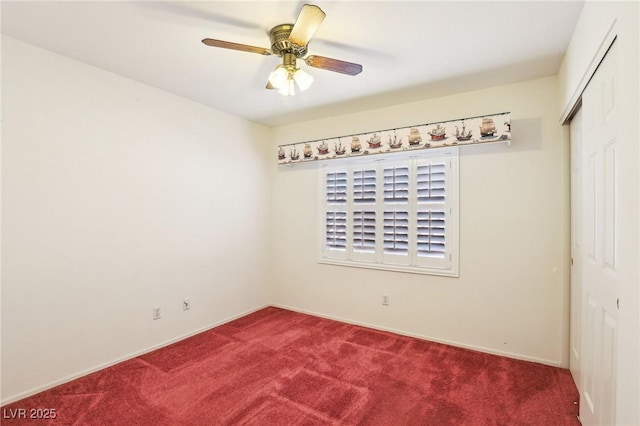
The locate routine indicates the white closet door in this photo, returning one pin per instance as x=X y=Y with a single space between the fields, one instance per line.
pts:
x=598 y=252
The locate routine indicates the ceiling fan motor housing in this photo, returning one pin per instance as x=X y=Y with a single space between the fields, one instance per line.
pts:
x=280 y=43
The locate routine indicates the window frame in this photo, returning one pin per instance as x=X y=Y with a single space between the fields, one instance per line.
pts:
x=447 y=266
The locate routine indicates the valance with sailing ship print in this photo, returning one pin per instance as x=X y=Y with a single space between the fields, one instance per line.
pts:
x=465 y=131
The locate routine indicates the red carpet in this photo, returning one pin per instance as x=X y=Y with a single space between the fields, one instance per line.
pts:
x=276 y=367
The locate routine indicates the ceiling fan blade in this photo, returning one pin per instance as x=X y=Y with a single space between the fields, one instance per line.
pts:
x=236 y=46
x=335 y=65
x=308 y=21
x=270 y=86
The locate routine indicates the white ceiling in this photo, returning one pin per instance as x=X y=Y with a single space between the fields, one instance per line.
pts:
x=409 y=50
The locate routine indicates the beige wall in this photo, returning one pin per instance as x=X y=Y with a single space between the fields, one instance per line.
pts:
x=512 y=294
x=116 y=198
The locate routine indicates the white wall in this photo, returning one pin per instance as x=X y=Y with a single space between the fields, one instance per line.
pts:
x=512 y=294
x=598 y=23
x=116 y=198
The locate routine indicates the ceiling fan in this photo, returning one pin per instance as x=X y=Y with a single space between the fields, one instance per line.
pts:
x=290 y=41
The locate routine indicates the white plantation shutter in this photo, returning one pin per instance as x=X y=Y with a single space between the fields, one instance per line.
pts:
x=399 y=215
x=396 y=232
x=336 y=230
x=336 y=188
x=396 y=184
x=431 y=183
x=431 y=234
x=336 y=213
x=364 y=186
x=364 y=231
x=396 y=216
x=434 y=217
x=364 y=214
x=431 y=216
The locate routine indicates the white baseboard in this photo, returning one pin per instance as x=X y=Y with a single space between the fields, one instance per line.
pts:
x=423 y=337
x=99 y=367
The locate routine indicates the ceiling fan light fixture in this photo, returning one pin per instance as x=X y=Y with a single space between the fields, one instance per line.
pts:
x=302 y=79
x=286 y=76
x=288 y=88
x=278 y=78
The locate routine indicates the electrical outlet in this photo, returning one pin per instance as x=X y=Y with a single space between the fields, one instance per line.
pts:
x=156 y=313
x=186 y=304
x=385 y=299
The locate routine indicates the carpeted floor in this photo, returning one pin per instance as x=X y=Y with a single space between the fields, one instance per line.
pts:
x=277 y=367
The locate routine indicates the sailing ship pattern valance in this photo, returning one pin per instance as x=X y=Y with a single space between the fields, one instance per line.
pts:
x=466 y=131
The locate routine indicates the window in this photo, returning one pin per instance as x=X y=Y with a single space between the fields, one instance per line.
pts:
x=397 y=214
